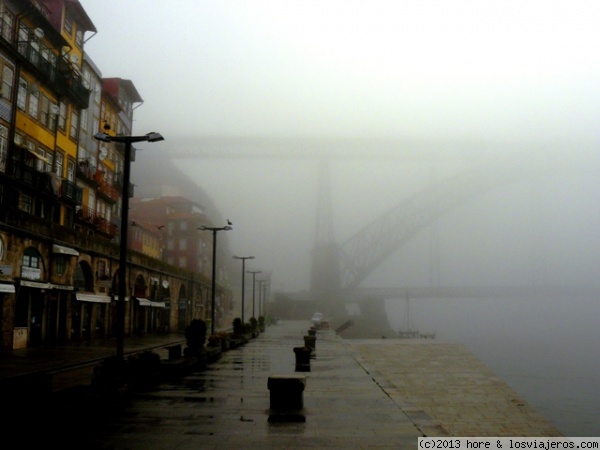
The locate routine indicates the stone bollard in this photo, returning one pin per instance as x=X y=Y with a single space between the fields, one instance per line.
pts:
x=302 y=358
x=286 y=392
x=311 y=341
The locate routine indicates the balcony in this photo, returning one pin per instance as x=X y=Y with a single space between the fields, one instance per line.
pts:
x=87 y=172
x=70 y=191
x=62 y=77
x=92 y=220
x=106 y=191
x=31 y=176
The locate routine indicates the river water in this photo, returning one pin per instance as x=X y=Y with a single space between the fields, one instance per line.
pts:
x=548 y=350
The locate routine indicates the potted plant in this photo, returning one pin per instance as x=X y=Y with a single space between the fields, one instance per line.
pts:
x=225 y=340
x=214 y=340
x=261 y=324
x=195 y=336
x=238 y=326
x=144 y=369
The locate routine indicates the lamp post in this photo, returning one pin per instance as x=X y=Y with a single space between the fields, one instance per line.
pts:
x=214 y=270
x=254 y=272
x=243 y=258
x=263 y=288
x=127 y=140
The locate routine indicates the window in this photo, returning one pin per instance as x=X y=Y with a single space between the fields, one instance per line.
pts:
x=45 y=111
x=71 y=170
x=7 y=81
x=31 y=258
x=68 y=24
x=58 y=164
x=74 y=124
x=91 y=201
x=34 y=101
x=182 y=261
x=62 y=116
x=102 y=269
x=22 y=94
x=7 y=25
x=84 y=119
x=60 y=264
x=25 y=203
x=183 y=225
x=3 y=147
x=22 y=39
x=182 y=244
x=97 y=92
x=79 y=38
x=52 y=116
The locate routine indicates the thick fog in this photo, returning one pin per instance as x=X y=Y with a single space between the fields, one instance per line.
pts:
x=432 y=87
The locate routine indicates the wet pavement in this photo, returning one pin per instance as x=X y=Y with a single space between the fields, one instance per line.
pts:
x=358 y=394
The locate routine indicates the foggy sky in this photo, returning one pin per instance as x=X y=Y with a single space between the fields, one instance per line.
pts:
x=481 y=72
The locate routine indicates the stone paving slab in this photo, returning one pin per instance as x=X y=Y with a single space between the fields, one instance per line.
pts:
x=365 y=394
x=444 y=385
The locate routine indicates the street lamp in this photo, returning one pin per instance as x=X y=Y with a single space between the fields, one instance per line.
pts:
x=254 y=272
x=127 y=140
x=243 y=258
x=263 y=286
x=214 y=269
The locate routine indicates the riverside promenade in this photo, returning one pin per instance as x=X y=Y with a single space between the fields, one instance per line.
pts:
x=359 y=394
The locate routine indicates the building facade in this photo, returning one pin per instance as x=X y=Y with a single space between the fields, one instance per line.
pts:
x=61 y=191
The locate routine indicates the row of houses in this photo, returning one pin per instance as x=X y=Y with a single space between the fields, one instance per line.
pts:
x=61 y=194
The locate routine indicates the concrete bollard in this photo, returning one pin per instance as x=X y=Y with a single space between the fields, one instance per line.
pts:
x=286 y=392
x=311 y=341
x=302 y=358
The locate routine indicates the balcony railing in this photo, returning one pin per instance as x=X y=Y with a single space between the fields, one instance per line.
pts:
x=107 y=191
x=87 y=171
x=92 y=219
x=70 y=191
x=30 y=176
x=62 y=76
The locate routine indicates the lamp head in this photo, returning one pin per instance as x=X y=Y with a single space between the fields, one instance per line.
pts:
x=102 y=137
x=154 y=137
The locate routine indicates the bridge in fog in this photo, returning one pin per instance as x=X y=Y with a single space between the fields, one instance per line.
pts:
x=339 y=268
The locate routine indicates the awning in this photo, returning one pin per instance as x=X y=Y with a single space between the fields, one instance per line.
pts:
x=146 y=302
x=64 y=250
x=36 y=284
x=94 y=298
x=7 y=288
x=63 y=287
